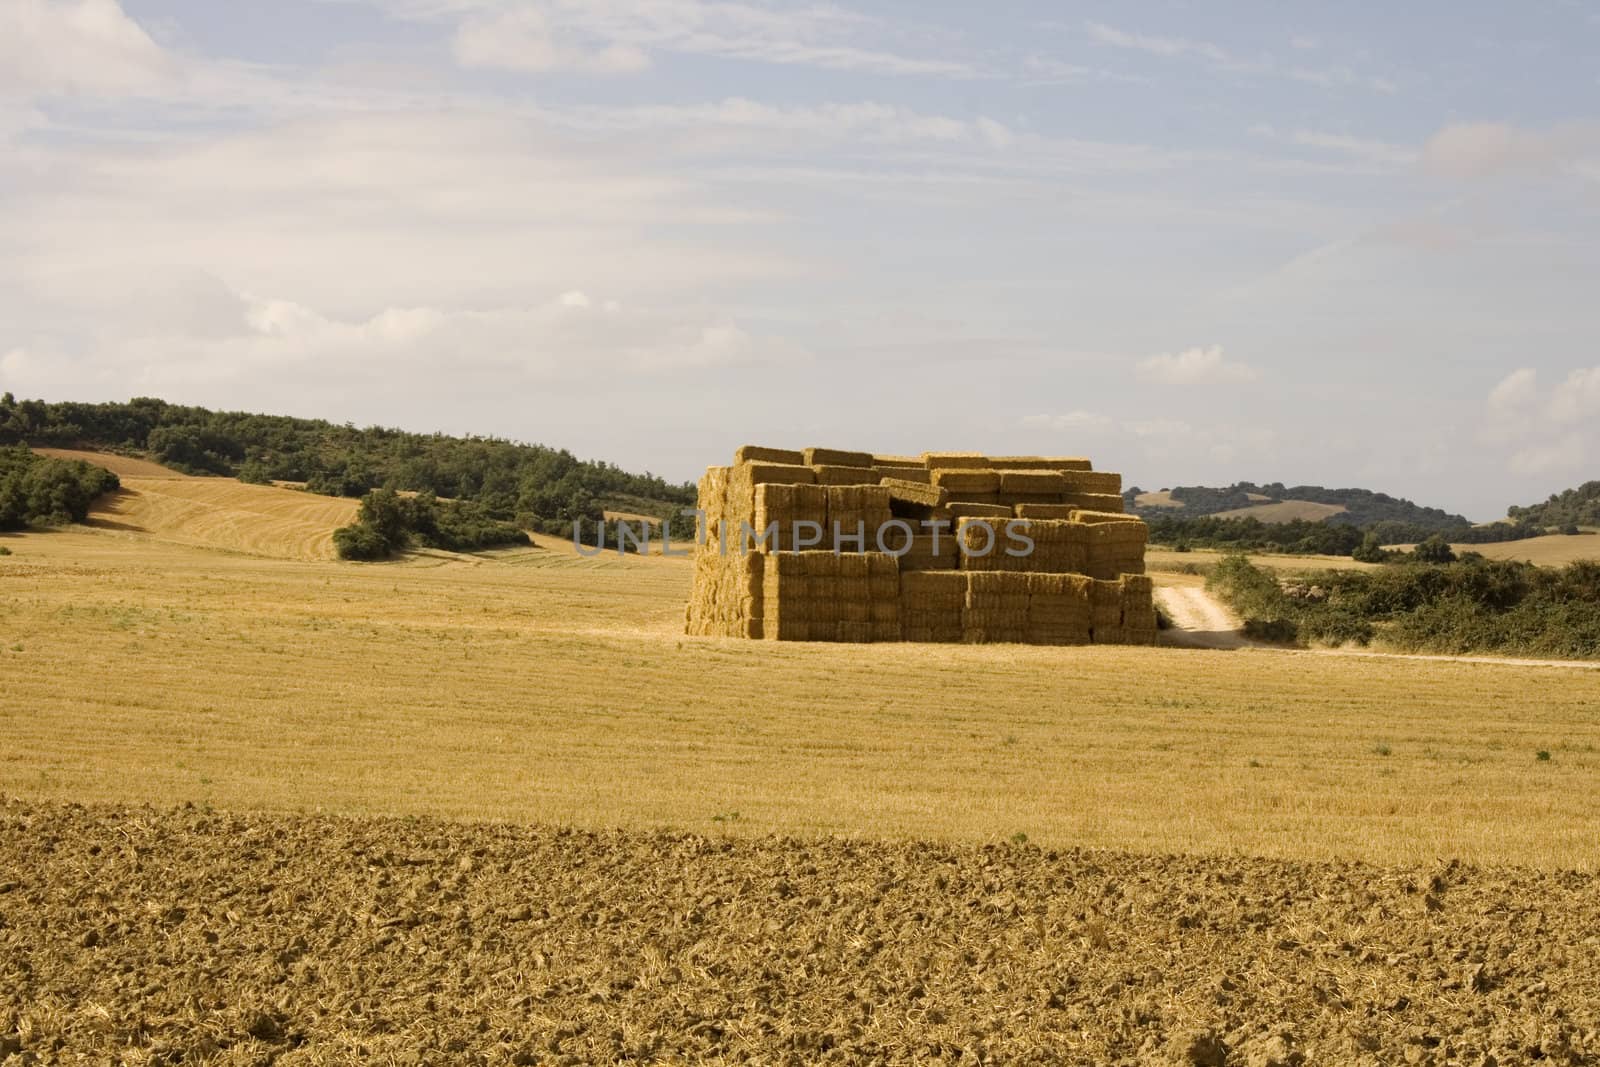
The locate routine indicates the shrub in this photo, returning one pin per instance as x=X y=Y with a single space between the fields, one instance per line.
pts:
x=1434 y=550
x=1278 y=631
x=360 y=542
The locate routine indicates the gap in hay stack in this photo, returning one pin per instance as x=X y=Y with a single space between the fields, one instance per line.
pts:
x=908 y=492
x=957 y=510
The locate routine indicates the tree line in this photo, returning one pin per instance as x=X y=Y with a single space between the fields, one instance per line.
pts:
x=527 y=485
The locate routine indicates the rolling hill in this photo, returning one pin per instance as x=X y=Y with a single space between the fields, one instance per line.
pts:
x=220 y=513
x=1276 y=502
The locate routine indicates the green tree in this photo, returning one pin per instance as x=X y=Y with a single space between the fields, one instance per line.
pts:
x=1370 y=550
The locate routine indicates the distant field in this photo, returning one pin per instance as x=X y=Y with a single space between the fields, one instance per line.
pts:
x=533 y=685
x=122 y=466
x=221 y=513
x=1277 y=511
x=1553 y=551
x=1285 y=511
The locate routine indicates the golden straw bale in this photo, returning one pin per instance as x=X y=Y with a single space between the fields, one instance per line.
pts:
x=755 y=473
x=1033 y=482
x=956 y=460
x=1093 y=482
x=828 y=474
x=917 y=475
x=1095 y=518
x=932 y=552
x=913 y=462
x=836 y=457
x=758 y=454
x=913 y=493
x=855 y=631
x=963 y=484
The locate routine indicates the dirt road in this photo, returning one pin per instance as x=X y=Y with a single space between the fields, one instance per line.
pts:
x=1199 y=620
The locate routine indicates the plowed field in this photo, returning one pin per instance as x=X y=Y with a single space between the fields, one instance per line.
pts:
x=183 y=936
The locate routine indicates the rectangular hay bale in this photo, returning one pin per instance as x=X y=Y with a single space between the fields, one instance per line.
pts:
x=836 y=457
x=830 y=474
x=760 y=454
x=964 y=483
x=914 y=493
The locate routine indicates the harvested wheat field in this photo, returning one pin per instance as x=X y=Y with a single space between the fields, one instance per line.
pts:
x=542 y=687
x=1553 y=550
x=168 y=936
x=219 y=513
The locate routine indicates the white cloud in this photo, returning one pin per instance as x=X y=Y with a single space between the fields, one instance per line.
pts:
x=1194 y=366
x=1485 y=149
x=1362 y=148
x=1552 y=433
x=1578 y=398
x=88 y=47
x=818 y=35
x=864 y=120
x=277 y=340
x=521 y=39
x=1565 y=454
x=1160 y=46
x=1515 y=393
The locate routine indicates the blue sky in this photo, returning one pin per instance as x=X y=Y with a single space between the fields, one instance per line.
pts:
x=1347 y=245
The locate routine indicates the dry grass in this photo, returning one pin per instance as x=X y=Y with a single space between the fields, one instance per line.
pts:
x=534 y=685
x=1165 y=559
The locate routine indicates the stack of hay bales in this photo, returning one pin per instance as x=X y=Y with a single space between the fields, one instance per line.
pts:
x=1116 y=543
x=996 y=608
x=779 y=507
x=1138 y=610
x=857 y=513
x=1058 y=609
x=1081 y=582
x=931 y=605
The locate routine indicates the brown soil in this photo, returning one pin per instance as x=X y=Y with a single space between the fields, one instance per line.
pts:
x=147 y=936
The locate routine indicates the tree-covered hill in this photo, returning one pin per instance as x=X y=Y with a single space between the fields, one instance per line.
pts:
x=1362 y=507
x=1574 y=507
x=534 y=486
